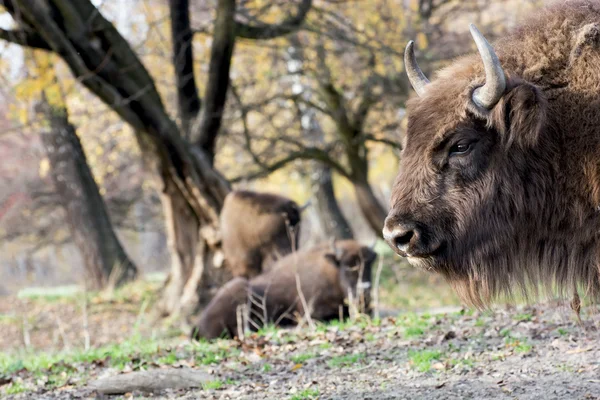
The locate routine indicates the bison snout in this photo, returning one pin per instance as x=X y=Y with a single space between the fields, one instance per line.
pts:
x=408 y=238
x=400 y=236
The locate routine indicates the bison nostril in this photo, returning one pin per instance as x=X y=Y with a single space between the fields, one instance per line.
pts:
x=402 y=240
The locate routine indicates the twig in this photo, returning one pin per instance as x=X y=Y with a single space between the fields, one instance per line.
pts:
x=376 y=288
x=240 y=321
x=140 y=315
x=61 y=331
x=86 y=332
x=307 y=310
x=26 y=337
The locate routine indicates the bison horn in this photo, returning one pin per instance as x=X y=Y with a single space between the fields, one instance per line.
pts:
x=305 y=206
x=372 y=246
x=416 y=77
x=489 y=94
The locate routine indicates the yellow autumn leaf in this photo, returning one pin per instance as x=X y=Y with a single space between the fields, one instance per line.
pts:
x=44 y=167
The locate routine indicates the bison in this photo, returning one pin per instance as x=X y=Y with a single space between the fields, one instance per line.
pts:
x=498 y=187
x=328 y=275
x=256 y=229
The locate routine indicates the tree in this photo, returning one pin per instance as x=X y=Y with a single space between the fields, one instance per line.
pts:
x=356 y=86
x=193 y=190
x=104 y=258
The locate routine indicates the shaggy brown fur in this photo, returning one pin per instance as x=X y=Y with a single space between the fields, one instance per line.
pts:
x=257 y=229
x=521 y=207
x=220 y=315
x=326 y=277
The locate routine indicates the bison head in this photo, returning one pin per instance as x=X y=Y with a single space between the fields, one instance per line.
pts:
x=480 y=196
x=354 y=262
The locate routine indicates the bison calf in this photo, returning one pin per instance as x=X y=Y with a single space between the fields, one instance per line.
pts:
x=324 y=276
x=256 y=229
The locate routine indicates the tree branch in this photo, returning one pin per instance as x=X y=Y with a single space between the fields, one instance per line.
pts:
x=371 y=138
x=24 y=38
x=183 y=61
x=270 y=31
x=206 y=127
x=308 y=153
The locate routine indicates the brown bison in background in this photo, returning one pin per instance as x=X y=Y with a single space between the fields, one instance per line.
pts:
x=326 y=275
x=499 y=182
x=257 y=229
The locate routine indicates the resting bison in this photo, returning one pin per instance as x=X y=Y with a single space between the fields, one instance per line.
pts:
x=256 y=229
x=326 y=275
x=499 y=181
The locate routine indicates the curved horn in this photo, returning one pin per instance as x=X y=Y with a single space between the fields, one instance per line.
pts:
x=372 y=246
x=416 y=77
x=489 y=94
x=305 y=206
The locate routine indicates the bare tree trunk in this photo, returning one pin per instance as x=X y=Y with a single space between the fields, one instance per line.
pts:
x=196 y=260
x=332 y=219
x=370 y=206
x=103 y=256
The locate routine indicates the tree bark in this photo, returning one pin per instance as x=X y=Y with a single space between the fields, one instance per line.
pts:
x=370 y=206
x=333 y=222
x=104 y=259
x=188 y=102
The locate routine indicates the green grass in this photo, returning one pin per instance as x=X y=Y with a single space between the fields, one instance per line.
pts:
x=519 y=345
x=212 y=385
x=562 y=331
x=345 y=360
x=421 y=359
x=267 y=367
x=414 y=325
x=306 y=394
x=300 y=358
x=134 y=352
x=523 y=317
x=15 y=388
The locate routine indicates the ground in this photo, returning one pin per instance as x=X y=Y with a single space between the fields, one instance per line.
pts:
x=59 y=345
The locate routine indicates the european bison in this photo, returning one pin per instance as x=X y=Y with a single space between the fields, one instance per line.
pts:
x=256 y=229
x=499 y=181
x=327 y=273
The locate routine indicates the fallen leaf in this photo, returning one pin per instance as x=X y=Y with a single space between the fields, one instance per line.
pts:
x=296 y=367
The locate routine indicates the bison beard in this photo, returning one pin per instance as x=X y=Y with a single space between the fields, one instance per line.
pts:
x=499 y=181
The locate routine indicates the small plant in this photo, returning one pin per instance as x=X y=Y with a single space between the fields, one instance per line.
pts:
x=523 y=317
x=300 y=358
x=345 y=360
x=562 y=332
x=306 y=394
x=519 y=346
x=325 y=346
x=421 y=359
x=369 y=337
x=267 y=367
x=523 y=347
x=15 y=388
x=212 y=385
x=413 y=332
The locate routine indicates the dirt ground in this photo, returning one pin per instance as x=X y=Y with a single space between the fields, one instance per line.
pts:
x=509 y=353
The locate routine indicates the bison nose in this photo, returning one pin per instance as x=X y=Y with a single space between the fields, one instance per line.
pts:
x=400 y=236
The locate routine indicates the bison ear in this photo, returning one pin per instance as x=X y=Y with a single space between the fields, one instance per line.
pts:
x=521 y=119
x=333 y=259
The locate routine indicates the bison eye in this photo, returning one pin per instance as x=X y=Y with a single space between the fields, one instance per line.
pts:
x=460 y=148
